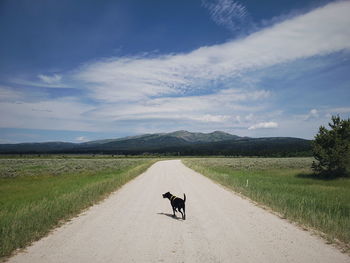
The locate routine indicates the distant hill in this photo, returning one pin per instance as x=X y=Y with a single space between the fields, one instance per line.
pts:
x=194 y=137
x=178 y=143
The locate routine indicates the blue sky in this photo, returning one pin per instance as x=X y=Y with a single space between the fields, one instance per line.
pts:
x=86 y=70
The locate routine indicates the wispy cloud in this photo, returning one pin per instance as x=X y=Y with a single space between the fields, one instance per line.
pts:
x=264 y=125
x=219 y=107
x=324 y=113
x=228 y=13
x=339 y=110
x=42 y=80
x=7 y=94
x=50 y=79
x=314 y=113
x=52 y=114
x=319 y=32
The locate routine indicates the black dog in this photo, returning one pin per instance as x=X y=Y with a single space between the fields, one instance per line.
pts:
x=176 y=202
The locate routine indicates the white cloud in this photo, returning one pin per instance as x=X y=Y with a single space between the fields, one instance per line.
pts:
x=314 y=112
x=319 y=32
x=212 y=118
x=68 y=113
x=324 y=114
x=249 y=117
x=228 y=13
x=264 y=125
x=205 y=108
x=41 y=80
x=8 y=94
x=40 y=84
x=81 y=139
x=339 y=110
x=311 y=115
x=58 y=114
x=53 y=79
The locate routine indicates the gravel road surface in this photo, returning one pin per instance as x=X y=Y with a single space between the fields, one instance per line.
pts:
x=135 y=224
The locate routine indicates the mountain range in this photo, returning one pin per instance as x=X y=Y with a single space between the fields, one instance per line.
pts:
x=174 y=143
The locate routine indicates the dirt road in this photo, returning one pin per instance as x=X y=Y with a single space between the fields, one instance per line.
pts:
x=134 y=225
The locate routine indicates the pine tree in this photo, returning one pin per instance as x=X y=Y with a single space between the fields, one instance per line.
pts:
x=331 y=149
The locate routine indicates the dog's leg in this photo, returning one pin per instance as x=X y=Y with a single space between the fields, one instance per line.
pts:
x=184 y=216
x=174 y=209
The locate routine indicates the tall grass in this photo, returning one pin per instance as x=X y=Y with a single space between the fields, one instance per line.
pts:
x=36 y=195
x=287 y=186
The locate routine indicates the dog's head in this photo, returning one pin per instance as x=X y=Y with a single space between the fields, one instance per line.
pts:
x=167 y=195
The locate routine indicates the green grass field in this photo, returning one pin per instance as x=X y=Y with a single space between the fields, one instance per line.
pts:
x=287 y=186
x=37 y=194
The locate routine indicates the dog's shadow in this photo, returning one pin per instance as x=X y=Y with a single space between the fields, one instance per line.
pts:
x=170 y=215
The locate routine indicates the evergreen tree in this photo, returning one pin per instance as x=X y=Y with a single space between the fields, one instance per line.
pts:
x=331 y=149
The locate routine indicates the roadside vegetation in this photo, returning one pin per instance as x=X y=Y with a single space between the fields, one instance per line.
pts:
x=38 y=194
x=289 y=187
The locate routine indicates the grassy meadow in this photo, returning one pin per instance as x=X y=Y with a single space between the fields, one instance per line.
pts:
x=37 y=194
x=287 y=186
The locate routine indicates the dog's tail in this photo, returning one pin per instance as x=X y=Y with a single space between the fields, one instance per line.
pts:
x=184 y=198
